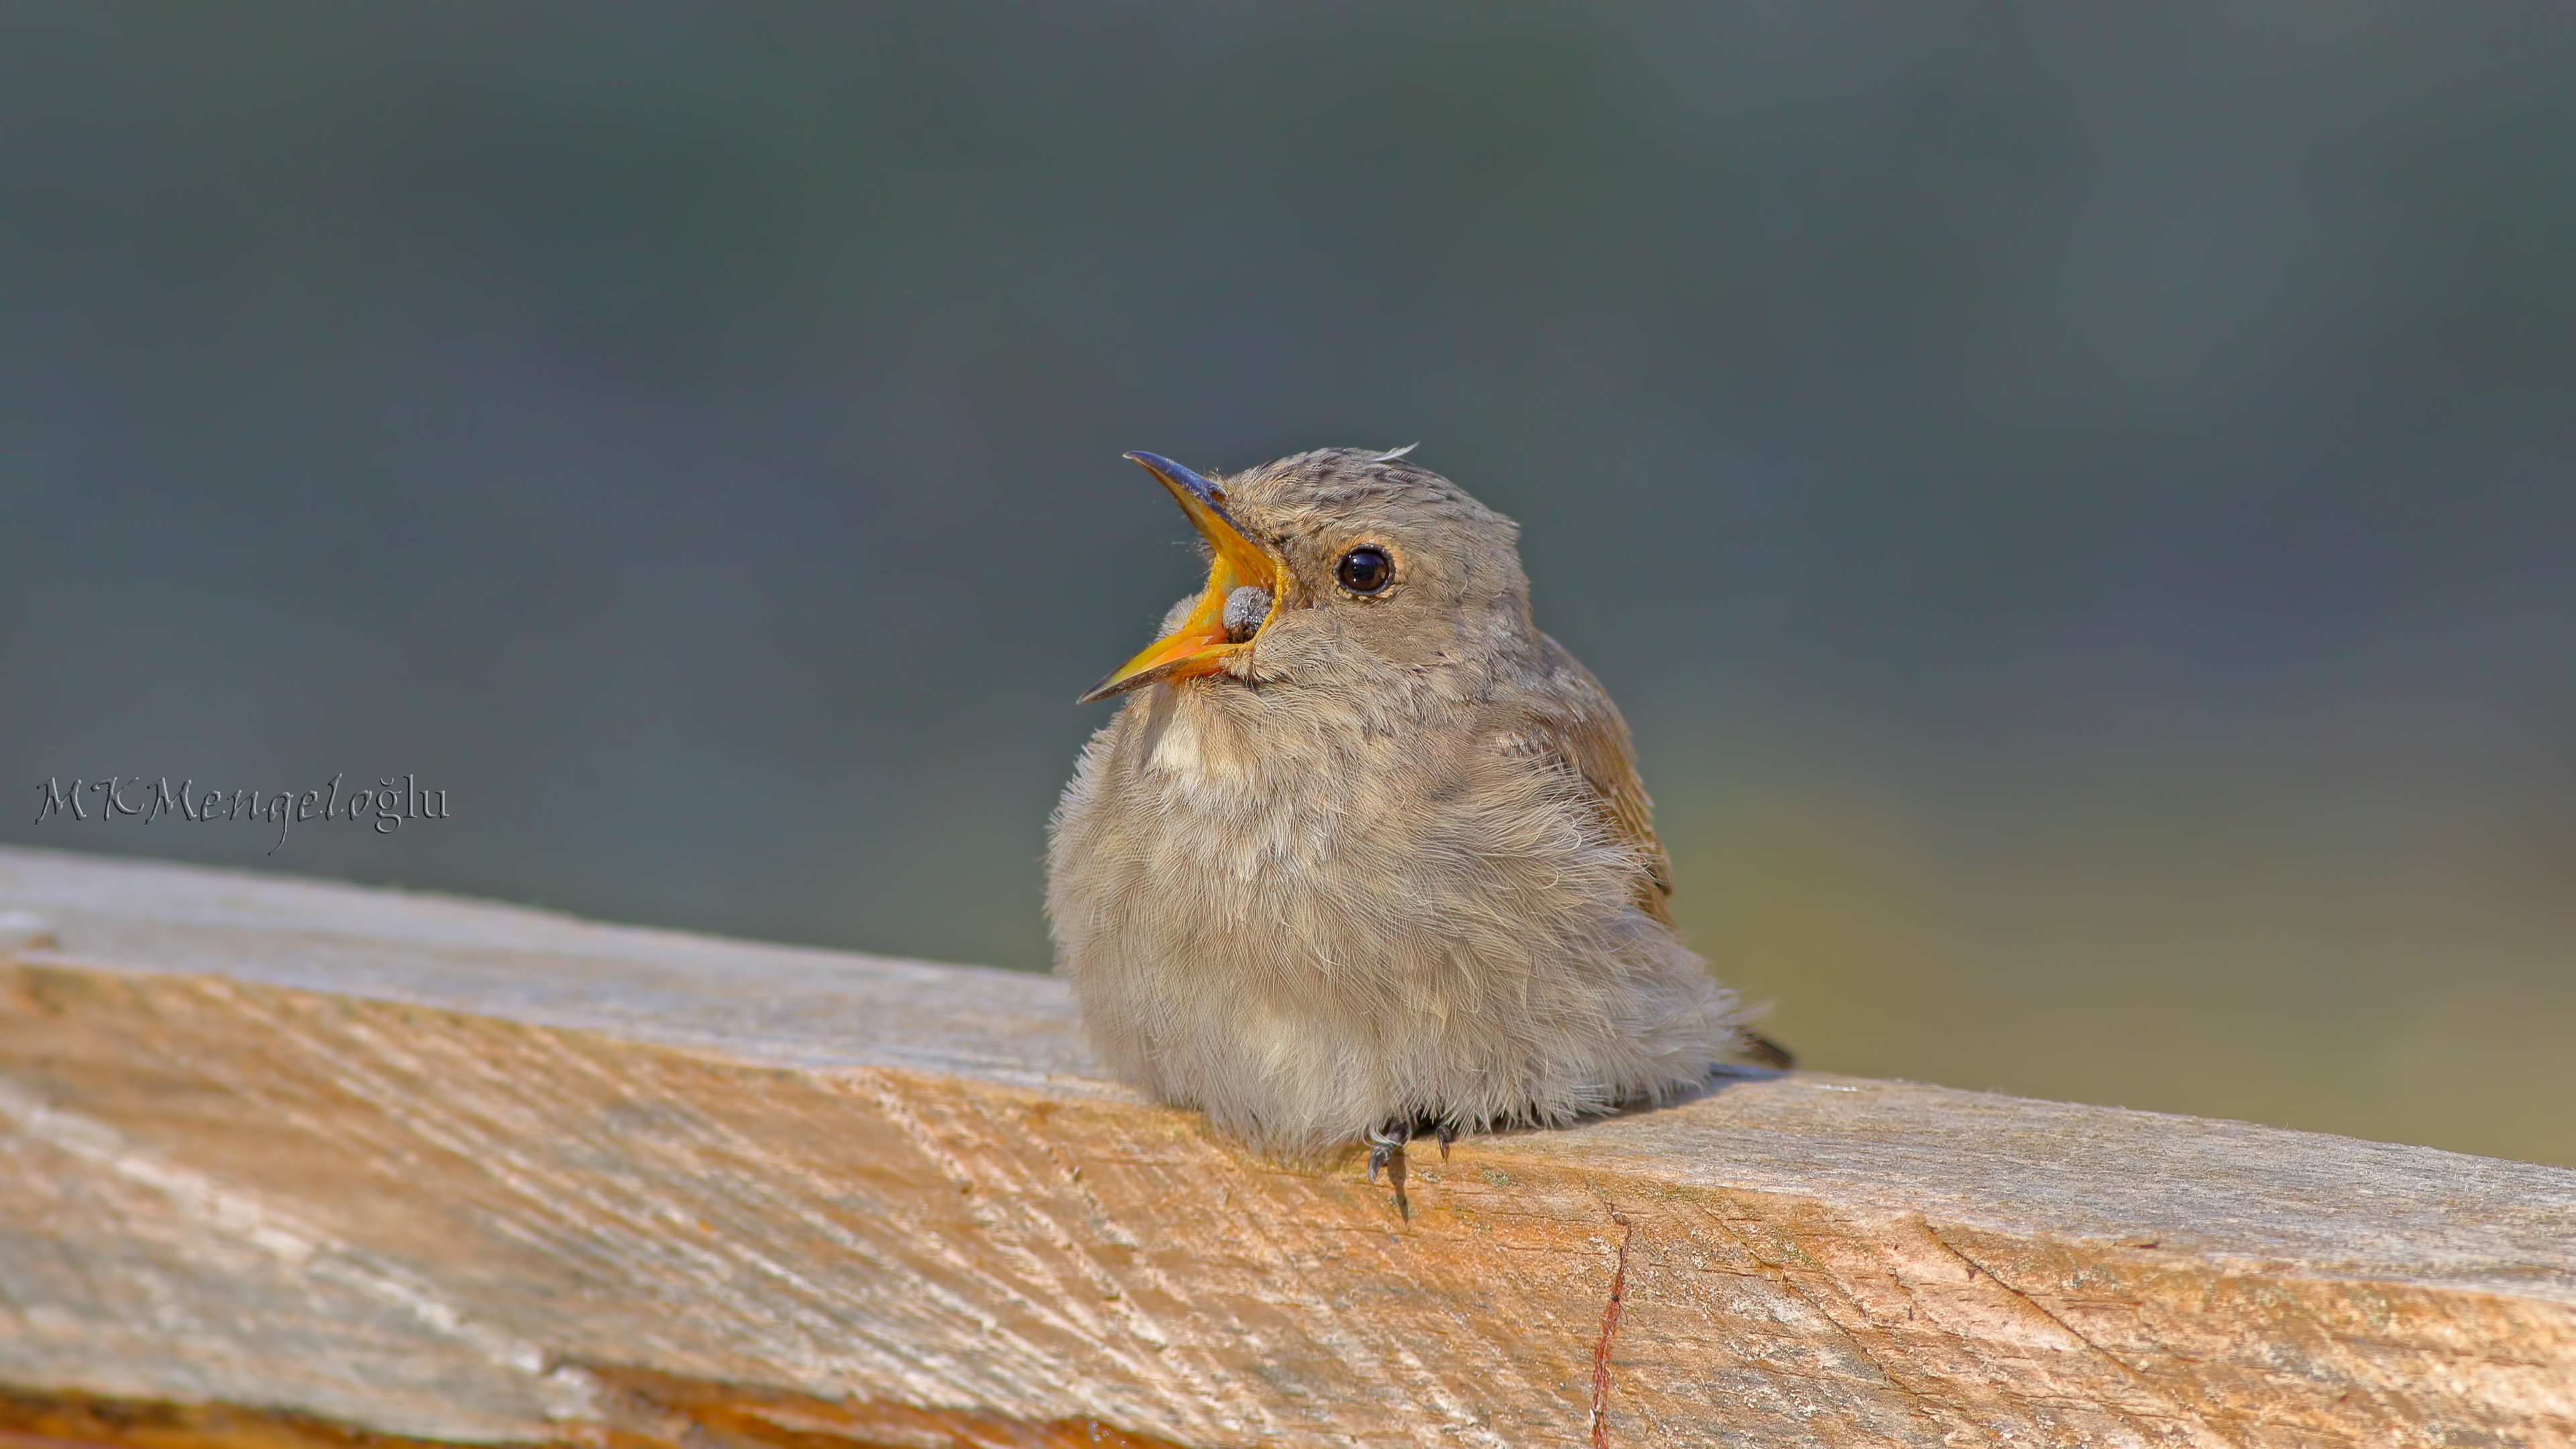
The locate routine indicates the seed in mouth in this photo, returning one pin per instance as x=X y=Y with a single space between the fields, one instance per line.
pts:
x=1245 y=608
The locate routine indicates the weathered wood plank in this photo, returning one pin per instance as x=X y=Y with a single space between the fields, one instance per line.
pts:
x=459 y=1171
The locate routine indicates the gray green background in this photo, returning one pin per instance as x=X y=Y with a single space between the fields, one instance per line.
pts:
x=2077 y=503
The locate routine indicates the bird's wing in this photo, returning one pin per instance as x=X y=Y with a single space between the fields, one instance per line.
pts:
x=1570 y=718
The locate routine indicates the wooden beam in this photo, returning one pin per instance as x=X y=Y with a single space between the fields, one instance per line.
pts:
x=283 y=1158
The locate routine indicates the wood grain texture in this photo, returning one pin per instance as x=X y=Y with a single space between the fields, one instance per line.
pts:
x=450 y=1171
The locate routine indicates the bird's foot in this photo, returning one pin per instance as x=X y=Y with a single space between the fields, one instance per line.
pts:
x=1386 y=1153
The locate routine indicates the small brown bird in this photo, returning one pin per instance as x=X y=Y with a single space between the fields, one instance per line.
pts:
x=1363 y=856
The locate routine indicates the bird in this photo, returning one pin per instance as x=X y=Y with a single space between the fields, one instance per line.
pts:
x=1363 y=856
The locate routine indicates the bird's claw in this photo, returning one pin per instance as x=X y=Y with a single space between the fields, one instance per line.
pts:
x=1386 y=1153
x=1386 y=1150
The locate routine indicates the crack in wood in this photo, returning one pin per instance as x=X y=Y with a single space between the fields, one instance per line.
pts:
x=1609 y=1331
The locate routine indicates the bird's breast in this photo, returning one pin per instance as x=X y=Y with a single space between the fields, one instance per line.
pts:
x=1230 y=808
x=1219 y=824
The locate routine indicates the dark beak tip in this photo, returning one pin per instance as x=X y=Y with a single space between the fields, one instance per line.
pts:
x=1171 y=472
x=1113 y=686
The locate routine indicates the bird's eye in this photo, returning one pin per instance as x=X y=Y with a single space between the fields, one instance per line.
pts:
x=1366 y=570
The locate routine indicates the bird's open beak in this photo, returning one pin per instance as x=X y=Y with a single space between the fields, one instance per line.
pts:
x=1200 y=645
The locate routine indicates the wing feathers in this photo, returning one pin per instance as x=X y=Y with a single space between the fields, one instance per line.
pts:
x=1571 y=720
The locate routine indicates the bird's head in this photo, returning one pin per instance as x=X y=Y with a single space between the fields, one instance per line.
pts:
x=1331 y=564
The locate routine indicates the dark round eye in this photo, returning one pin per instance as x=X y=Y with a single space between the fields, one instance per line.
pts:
x=1366 y=569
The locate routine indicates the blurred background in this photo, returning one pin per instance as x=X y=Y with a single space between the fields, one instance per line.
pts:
x=2077 y=504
